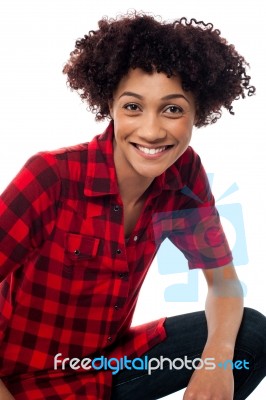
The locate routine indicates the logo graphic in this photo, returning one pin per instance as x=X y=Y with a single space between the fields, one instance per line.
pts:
x=230 y=364
x=199 y=225
x=144 y=363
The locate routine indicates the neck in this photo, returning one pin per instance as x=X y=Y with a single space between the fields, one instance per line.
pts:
x=132 y=188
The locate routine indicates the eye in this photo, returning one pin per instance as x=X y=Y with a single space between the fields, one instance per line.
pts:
x=131 y=107
x=173 y=109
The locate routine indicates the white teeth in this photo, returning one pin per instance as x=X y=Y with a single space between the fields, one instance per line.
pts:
x=150 y=151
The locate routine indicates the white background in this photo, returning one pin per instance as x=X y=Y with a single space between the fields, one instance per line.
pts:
x=38 y=112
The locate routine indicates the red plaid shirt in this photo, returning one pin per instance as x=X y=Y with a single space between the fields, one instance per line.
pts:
x=70 y=281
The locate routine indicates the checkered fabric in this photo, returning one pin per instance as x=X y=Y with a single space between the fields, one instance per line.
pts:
x=70 y=281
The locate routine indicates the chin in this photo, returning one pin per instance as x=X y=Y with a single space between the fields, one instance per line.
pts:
x=151 y=174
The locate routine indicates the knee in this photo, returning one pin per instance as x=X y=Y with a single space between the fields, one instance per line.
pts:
x=255 y=317
x=254 y=324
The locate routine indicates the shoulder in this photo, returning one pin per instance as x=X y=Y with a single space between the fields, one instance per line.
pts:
x=193 y=176
x=58 y=161
x=189 y=157
x=188 y=165
x=76 y=152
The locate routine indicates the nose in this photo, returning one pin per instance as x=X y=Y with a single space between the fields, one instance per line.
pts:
x=151 y=130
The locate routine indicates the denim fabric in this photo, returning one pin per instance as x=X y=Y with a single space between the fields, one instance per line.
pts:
x=186 y=335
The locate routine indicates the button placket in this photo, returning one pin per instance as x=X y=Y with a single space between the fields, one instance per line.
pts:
x=123 y=275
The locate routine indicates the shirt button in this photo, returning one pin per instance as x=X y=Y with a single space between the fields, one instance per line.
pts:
x=77 y=252
x=109 y=339
x=116 y=208
x=123 y=275
x=116 y=307
x=135 y=238
x=118 y=251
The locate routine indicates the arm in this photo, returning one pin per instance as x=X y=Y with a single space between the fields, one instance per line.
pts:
x=27 y=215
x=224 y=310
x=27 y=211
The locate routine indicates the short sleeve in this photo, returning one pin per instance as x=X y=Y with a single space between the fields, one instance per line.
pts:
x=27 y=211
x=194 y=225
x=201 y=238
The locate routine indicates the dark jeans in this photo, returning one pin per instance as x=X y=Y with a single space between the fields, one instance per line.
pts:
x=186 y=335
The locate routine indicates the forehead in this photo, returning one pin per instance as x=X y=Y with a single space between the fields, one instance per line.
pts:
x=150 y=85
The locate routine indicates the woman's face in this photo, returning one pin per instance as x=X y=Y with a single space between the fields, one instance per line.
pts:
x=153 y=120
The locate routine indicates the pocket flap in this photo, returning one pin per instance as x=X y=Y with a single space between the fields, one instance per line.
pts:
x=79 y=247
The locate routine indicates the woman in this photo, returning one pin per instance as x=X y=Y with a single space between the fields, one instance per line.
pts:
x=80 y=227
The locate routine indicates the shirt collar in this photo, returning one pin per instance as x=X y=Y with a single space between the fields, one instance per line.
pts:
x=101 y=175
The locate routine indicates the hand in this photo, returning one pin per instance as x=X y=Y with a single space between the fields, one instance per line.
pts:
x=216 y=384
x=4 y=393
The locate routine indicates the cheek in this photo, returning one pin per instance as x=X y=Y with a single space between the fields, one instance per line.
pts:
x=123 y=129
x=119 y=134
x=189 y=135
x=185 y=134
x=189 y=128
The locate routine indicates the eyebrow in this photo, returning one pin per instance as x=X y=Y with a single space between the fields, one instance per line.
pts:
x=168 y=97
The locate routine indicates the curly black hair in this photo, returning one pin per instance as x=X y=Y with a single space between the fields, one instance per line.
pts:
x=208 y=66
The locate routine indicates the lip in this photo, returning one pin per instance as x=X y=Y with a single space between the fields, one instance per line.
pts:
x=152 y=156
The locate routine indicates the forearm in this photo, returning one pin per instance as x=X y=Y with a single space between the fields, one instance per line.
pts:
x=4 y=393
x=223 y=318
x=224 y=311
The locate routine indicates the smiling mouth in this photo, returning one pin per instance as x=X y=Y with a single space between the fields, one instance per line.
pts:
x=152 y=150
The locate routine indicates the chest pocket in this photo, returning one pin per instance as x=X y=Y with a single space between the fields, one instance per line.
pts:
x=81 y=247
